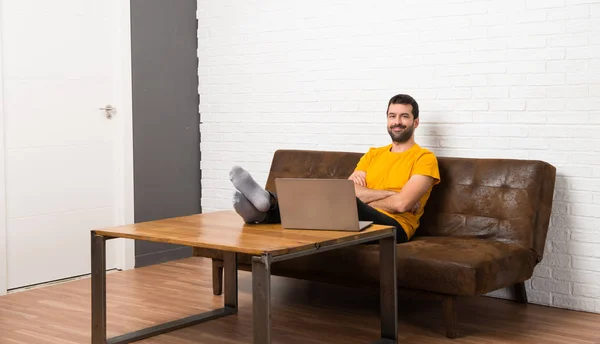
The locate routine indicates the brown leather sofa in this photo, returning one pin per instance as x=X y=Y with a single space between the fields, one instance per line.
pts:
x=484 y=228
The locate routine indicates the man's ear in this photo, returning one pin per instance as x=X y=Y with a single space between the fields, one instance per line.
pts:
x=416 y=122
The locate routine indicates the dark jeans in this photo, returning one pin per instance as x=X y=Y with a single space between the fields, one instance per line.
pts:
x=365 y=213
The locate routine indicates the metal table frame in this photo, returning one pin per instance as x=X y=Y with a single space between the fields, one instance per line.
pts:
x=261 y=292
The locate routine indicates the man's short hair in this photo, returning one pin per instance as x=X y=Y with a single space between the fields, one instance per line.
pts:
x=405 y=99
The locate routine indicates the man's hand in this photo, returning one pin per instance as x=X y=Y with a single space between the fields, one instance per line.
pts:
x=359 y=178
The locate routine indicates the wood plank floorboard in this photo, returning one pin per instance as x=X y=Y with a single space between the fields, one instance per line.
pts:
x=302 y=312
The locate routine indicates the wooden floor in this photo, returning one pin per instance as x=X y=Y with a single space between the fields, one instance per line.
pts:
x=302 y=312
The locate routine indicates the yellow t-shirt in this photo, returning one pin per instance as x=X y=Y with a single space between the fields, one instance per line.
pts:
x=388 y=170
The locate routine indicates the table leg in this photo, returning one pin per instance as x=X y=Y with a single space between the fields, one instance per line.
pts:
x=99 y=300
x=98 y=289
x=388 y=290
x=231 y=280
x=261 y=298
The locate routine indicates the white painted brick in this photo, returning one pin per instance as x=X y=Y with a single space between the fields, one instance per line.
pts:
x=583 y=132
x=530 y=143
x=524 y=43
x=557 y=260
x=567 y=66
x=445 y=117
x=529 y=16
x=557 y=233
x=586 y=290
x=527 y=117
x=582 y=25
x=456 y=143
x=558 y=246
x=590 y=264
x=573 y=196
x=509 y=131
x=546 y=79
x=521 y=92
x=527 y=67
x=596 y=199
x=491 y=92
x=588 y=104
x=493 y=143
x=539 y=297
x=535 y=54
x=581 y=78
x=595 y=10
x=578 y=2
x=575 y=146
x=573 y=222
x=560 y=208
x=582 y=52
x=585 y=210
x=467 y=130
x=490 y=117
x=455 y=93
x=571 y=40
x=584 y=249
x=533 y=4
x=567 y=117
x=550 y=285
x=491 y=19
x=491 y=43
x=585 y=159
x=585 y=184
x=568 y=92
x=533 y=28
x=562 y=183
x=570 y=12
x=585 y=277
x=574 y=303
x=507 y=104
x=548 y=131
x=546 y=104
x=542 y=271
x=509 y=79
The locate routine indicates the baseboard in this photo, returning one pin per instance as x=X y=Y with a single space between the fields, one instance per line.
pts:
x=163 y=256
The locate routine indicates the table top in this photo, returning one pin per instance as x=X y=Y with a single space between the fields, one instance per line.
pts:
x=225 y=230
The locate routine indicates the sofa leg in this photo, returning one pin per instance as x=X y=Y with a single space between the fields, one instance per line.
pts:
x=520 y=292
x=450 y=317
x=217 y=276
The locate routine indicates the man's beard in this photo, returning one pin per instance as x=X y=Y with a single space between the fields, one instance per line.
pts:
x=404 y=135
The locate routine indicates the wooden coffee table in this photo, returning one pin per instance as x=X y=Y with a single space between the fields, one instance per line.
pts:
x=268 y=244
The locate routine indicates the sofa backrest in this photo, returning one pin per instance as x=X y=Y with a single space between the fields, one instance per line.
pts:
x=497 y=199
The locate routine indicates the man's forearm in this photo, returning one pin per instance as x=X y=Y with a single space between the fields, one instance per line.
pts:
x=385 y=204
x=370 y=195
x=393 y=204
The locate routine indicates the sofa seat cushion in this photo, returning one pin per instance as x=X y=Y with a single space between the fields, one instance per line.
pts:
x=462 y=266
x=456 y=266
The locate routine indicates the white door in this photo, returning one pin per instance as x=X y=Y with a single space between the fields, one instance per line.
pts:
x=68 y=167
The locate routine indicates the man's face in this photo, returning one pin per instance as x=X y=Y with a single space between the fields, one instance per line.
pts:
x=400 y=122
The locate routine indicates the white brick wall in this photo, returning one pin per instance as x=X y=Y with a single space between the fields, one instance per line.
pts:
x=494 y=78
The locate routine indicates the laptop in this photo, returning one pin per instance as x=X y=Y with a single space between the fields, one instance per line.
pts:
x=323 y=204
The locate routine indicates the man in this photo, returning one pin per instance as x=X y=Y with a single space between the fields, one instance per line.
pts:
x=392 y=183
